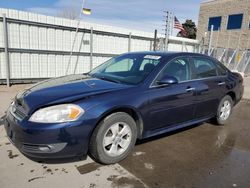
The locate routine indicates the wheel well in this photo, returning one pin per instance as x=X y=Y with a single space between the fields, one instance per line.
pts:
x=232 y=95
x=137 y=118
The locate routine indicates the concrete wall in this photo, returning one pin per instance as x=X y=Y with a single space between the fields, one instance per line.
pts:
x=239 y=38
x=179 y=44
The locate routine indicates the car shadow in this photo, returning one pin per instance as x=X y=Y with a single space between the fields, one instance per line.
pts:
x=57 y=161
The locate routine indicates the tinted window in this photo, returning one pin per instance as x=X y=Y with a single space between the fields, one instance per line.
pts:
x=216 y=22
x=204 y=68
x=127 y=68
x=178 y=68
x=234 y=21
x=222 y=71
x=148 y=63
x=123 y=65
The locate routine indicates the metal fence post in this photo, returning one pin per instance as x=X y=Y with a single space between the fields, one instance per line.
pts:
x=91 y=48
x=245 y=67
x=80 y=47
x=210 y=40
x=6 y=50
x=155 y=40
x=129 y=42
x=182 y=46
x=231 y=58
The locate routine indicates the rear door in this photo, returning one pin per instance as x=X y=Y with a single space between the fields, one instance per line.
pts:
x=210 y=86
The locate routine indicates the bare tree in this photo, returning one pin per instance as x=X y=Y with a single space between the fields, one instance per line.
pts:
x=69 y=12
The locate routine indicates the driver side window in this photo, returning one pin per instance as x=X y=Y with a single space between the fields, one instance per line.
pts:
x=178 y=68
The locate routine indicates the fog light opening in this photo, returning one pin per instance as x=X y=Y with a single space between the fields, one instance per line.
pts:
x=44 y=148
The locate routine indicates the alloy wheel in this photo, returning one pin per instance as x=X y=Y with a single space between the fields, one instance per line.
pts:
x=225 y=110
x=117 y=139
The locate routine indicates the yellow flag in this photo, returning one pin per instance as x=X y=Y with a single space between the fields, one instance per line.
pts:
x=238 y=57
x=86 y=11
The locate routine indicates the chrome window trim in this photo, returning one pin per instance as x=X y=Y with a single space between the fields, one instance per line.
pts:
x=152 y=83
x=191 y=80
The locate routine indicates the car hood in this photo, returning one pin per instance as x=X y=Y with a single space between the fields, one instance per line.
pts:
x=64 y=89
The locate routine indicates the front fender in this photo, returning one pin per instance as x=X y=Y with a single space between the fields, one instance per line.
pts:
x=99 y=112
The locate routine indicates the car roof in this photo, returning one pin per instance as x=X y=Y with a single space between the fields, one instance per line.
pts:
x=166 y=54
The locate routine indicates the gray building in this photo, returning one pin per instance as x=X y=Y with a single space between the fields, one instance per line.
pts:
x=230 y=20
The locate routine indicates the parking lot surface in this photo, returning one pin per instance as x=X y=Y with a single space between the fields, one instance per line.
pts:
x=203 y=155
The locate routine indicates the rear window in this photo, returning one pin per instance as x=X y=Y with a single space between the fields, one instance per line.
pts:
x=204 y=68
x=222 y=71
x=148 y=61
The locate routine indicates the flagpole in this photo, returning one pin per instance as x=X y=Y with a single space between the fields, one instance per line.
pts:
x=77 y=29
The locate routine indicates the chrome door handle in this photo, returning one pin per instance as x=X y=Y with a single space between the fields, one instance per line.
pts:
x=190 y=89
x=221 y=83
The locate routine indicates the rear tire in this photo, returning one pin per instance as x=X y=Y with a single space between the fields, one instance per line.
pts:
x=224 y=110
x=113 y=138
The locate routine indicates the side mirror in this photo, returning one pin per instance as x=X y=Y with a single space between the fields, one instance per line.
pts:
x=167 y=80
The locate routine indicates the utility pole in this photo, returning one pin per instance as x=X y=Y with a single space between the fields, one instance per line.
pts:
x=155 y=40
x=168 y=26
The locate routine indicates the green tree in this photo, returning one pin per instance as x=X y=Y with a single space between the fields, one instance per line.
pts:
x=190 y=29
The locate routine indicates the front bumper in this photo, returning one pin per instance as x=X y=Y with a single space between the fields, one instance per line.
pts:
x=48 y=140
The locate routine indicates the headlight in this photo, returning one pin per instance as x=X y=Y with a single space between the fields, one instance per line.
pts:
x=57 y=114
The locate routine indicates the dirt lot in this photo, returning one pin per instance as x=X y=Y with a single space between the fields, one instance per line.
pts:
x=200 y=156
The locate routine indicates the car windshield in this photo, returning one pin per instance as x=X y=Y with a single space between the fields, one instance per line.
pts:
x=127 y=69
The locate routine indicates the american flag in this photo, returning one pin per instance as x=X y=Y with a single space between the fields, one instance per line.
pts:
x=178 y=25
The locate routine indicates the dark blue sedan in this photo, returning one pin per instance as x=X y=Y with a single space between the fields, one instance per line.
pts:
x=132 y=96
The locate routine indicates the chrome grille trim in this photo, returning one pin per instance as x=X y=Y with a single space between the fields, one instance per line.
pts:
x=17 y=111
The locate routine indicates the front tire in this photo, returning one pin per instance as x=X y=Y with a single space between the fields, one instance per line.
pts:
x=224 y=110
x=113 y=138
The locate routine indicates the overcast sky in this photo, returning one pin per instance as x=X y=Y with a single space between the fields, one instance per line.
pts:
x=144 y=15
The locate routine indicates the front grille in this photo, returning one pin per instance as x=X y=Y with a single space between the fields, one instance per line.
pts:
x=18 y=111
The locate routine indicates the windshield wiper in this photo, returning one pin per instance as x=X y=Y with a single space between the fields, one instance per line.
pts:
x=87 y=74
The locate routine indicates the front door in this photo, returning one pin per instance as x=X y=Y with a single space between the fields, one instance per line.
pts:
x=174 y=103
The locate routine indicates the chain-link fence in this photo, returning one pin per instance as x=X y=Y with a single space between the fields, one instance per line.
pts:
x=235 y=60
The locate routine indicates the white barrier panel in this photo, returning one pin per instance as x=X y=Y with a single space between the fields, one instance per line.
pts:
x=39 y=46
